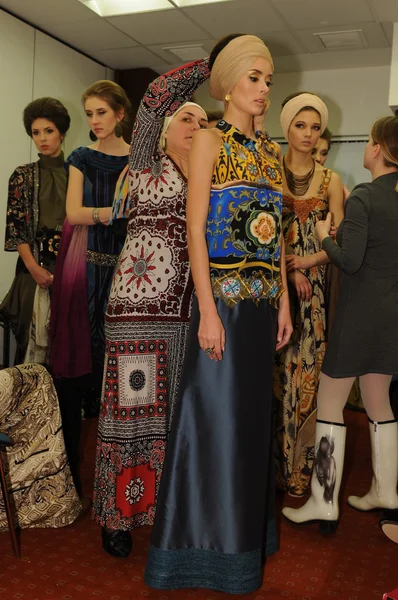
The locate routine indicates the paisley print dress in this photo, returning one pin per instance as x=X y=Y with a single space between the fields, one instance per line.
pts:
x=298 y=365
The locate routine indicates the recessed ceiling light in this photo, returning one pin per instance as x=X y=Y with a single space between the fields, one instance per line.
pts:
x=112 y=8
x=186 y=3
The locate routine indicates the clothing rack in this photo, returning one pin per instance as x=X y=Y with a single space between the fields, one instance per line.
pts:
x=338 y=139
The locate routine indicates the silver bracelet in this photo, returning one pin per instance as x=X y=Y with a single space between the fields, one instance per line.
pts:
x=96 y=217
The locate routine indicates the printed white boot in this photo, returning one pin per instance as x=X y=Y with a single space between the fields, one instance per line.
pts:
x=323 y=505
x=383 y=491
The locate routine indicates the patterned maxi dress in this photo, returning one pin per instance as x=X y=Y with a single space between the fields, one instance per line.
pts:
x=298 y=365
x=147 y=317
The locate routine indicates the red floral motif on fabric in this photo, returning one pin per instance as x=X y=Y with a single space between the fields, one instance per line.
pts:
x=135 y=490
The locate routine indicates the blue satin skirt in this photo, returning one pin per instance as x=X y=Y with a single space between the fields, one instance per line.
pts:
x=215 y=517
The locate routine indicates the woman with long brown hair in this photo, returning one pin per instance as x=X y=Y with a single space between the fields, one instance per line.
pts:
x=87 y=258
x=364 y=338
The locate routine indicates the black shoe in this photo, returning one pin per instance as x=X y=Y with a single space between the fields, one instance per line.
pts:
x=116 y=542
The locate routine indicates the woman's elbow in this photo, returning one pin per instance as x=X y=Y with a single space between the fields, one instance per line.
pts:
x=72 y=217
x=350 y=268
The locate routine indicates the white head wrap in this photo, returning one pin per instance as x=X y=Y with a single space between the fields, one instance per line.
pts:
x=296 y=104
x=168 y=120
x=234 y=61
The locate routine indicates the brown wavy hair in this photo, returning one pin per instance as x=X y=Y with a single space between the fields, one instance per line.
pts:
x=113 y=94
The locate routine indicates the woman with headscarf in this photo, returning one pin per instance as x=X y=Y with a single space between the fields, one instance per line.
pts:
x=146 y=322
x=364 y=338
x=214 y=524
x=309 y=192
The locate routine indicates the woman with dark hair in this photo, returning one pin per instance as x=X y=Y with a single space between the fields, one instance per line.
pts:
x=214 y=523
x=149 y=308
x=321 y=149
x=309 y=192
x=364 y=338
x=87 y=258
x=35 y=214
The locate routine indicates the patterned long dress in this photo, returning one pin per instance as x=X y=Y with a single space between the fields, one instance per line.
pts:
x=298 y=365
x=147 y=317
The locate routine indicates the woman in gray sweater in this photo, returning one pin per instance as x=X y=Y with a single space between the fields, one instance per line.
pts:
x=364 y=338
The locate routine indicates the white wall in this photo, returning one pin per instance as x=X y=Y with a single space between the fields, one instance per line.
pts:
x=32 y=65
x=355 y=97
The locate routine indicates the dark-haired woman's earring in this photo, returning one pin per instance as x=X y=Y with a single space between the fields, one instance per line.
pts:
x=118 y=131
x=227 y=97
x=93 y=137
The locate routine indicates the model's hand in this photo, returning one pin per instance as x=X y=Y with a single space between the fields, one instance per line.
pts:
x=211 y=335
x=322 y=228
x=301 y=284
x=285 y=327
x=298 y=262
x=42 y=277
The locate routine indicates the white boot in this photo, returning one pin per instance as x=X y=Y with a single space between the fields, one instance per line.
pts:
x=383 y=491
x=323 y=503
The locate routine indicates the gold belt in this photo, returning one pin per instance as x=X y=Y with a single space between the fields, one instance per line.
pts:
x=233 y=287
x=243 y=264
x=101 y=259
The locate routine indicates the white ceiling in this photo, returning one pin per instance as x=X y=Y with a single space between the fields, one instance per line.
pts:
x=286 y=26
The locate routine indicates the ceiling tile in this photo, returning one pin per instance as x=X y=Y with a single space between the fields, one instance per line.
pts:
x=386 y=10
x=304 y=14
x=373 y=32
x=127 y=58
x=282 y=43
x=95 y=34
x=389 y=31
x=170 y=58
x=245 y=16
x=43 y=12
x=158 y=27
x=334 y=60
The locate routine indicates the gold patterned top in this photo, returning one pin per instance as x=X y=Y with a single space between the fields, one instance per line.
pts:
x=244 y=223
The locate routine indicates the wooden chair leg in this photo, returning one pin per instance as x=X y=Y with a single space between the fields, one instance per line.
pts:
x=7 y=506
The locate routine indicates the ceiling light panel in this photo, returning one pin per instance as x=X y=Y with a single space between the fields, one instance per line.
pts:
x=342 y=40
x=187 y=3
x=111 y=8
